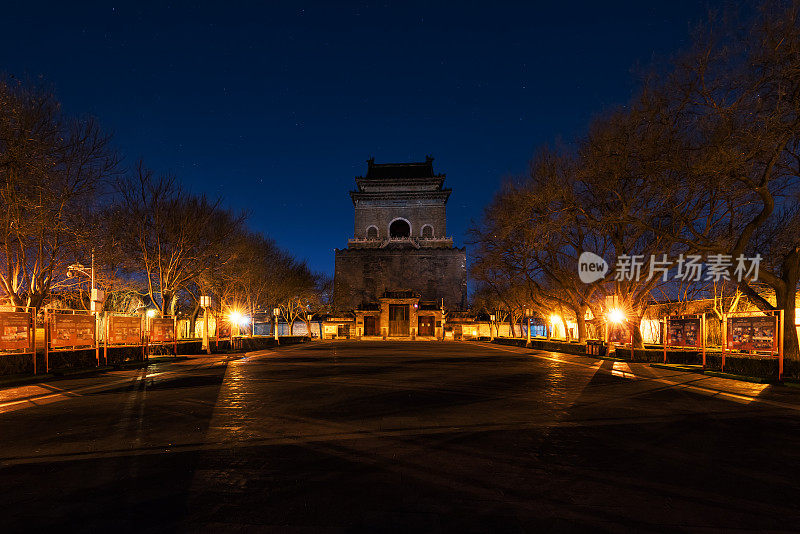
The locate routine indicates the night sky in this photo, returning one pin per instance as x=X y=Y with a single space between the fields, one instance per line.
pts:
x=276 y=107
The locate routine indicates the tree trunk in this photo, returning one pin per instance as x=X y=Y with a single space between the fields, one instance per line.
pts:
x=567 y=336
x=785 y=300
x=512 y=326
x=580 y=318
x=790 y=345
x=193 y=320
x=638 y=339
x=166 y=303
x=791 y=274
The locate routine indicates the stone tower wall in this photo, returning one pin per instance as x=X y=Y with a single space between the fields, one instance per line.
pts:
x=362 y=275
x=418 y=214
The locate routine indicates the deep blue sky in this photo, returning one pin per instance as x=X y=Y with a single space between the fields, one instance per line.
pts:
x=277 y=106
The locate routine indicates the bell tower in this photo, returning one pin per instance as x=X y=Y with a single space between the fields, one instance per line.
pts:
x=400 y=240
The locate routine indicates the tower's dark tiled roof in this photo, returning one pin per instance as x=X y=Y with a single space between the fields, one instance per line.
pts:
x=381 y=171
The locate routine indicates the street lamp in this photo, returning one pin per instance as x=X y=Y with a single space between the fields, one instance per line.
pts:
x=615 y=315
x=205 y=303
x=491 y=322
x=276 y=312
x=528 y=314
x=553 y=320
x=309 y=314
x=443 y=319
x=96 y=297
x=240 y=320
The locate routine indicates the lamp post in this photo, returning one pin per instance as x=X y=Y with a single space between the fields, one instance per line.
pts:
x=443 y=319
x=80 y=268
x=309 y=314
x=276 y=312
x=205 y=303
x=95 y=295
x=235 y=319
x=616 y=316
x=491 y=332
x=96 y=298
x=528 y=313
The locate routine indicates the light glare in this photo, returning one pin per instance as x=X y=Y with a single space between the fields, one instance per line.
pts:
x=616 y=315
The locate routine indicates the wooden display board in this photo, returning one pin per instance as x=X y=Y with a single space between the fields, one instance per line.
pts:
x=15 y=331
x=619 y=333
x=224 y=330
x=125 y=330
x=72 y=330
x=754 y=332
x=685 y=331
x=162 y=330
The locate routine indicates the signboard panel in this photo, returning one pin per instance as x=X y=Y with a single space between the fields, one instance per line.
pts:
x=15 y=330
x=752 y=333
x=618 y=333
x=684 y=332
x=224 y=330
x=162 y=330
x=71 y=330
x=124 y=330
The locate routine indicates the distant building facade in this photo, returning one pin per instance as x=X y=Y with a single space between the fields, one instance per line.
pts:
x=400 y=244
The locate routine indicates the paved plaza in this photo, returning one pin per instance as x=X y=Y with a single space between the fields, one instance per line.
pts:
x=399 y=437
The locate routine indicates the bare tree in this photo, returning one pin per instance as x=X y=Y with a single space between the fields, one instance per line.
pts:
x=301 y=288
x=169 y=237
x=51 y=170
x=729 y=186
x=532 y=235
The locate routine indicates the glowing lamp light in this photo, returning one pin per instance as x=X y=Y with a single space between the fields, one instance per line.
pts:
x=616 y=315
x=235 y=317
x=151 y=312
x=244 y=321
x=554 y=318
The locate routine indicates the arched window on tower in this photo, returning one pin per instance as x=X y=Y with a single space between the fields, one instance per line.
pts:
x=399 y=228
x=372 y=232
x=427 y=231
